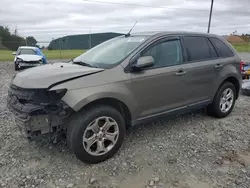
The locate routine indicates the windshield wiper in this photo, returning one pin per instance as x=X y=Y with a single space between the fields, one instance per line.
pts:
x=83 y=63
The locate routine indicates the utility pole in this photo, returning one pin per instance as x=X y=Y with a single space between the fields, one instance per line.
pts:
x=90 y=39
x=210 y=16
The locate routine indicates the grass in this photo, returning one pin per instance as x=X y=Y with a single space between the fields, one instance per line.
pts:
x=65 y=54
x=6 y=55
x=244 y=47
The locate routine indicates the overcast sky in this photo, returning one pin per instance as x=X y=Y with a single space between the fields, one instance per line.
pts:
x=47 y=19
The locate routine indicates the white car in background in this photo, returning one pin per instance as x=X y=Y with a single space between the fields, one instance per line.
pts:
x=28 y=56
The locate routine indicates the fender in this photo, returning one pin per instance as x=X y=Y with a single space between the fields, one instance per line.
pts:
x=79 y=98
x=228 y=71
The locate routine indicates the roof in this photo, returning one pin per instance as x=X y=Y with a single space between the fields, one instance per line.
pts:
x=151 y=33
x=28 y=47
x=92 y=34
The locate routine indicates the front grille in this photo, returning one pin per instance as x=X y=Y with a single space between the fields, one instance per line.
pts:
x=32 y=114
x=31 y=62
x=20 y=102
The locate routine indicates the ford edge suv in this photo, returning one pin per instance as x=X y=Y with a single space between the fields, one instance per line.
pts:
x=122 y=82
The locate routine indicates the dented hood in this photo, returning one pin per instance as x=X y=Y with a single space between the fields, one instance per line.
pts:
x=26 y=57
x=46 y=75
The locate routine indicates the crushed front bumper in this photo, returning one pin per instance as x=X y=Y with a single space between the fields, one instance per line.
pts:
x=34 y=119
x=28 y=64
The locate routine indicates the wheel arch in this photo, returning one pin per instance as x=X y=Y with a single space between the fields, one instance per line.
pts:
x=235 y=82
x=115 y=103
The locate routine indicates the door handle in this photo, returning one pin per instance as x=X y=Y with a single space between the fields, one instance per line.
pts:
x=218 y=66
x=180 y=73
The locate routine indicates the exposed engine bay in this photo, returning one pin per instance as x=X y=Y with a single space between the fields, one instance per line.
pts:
x=39 y=108
x=38 y=111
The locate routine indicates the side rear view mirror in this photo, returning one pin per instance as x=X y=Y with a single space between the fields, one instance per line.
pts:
x=14 y=53
x=144 y=62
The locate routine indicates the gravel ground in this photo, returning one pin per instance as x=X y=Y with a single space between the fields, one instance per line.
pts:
x=245 y=56
x=188 y=151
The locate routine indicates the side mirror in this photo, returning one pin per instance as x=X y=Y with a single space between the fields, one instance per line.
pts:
x=144 y=62
x=14 y=53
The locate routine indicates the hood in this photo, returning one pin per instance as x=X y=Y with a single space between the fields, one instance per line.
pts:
x=27 y=57
x=50 y=74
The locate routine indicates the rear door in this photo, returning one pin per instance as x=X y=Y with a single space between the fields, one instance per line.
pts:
x=226 y=56
x=201 y=59
x=228 y=61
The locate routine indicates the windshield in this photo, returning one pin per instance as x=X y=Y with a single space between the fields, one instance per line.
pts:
x=110 y=53
x=27 y=51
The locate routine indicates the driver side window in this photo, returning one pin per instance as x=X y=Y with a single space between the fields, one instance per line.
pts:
x=167 y=53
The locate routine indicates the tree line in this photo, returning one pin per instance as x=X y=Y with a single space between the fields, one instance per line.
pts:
x=12 y=41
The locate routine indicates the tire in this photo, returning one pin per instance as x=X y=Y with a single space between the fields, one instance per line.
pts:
x=77 y=129
x=16 y=67
x=214 y=109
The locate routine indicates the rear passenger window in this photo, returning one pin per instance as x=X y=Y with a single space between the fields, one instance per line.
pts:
x=197 y=48
x=221 y=48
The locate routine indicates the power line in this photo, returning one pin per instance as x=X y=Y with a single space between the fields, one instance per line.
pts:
x=163 y=7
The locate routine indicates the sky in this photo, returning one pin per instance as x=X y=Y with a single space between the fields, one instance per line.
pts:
x=48 y=19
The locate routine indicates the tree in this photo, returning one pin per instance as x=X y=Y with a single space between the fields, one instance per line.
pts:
x=11 y=41
x=31 y=41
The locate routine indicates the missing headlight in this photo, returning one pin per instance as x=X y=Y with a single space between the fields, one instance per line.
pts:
x=19 y=60
x=52 y=97
x=61 y=92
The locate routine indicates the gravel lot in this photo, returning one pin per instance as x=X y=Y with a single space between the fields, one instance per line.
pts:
x=188 y=151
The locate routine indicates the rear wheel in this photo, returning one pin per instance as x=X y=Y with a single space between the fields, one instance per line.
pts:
x=224 y=101
x=96 y=134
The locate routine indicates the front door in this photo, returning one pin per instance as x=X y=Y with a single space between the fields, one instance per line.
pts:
x=160 y=87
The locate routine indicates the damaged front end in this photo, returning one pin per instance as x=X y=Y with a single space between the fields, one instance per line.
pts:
x=38 y=111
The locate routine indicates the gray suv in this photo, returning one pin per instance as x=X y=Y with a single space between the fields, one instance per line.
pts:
x=122 y=82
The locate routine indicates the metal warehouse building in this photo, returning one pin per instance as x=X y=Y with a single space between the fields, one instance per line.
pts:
x=84 y=41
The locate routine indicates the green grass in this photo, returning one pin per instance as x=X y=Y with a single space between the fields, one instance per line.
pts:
x=6 y=55
x=242 y=47
x=65 y=54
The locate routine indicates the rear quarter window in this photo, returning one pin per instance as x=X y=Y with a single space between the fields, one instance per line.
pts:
x=222 y=49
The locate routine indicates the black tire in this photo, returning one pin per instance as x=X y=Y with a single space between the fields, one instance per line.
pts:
x=78 y=124
x=16 y=67
x=214 y=108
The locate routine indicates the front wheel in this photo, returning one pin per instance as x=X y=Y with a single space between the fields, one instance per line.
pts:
x=96 y=134
x=16 y=67
x=224 y=101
